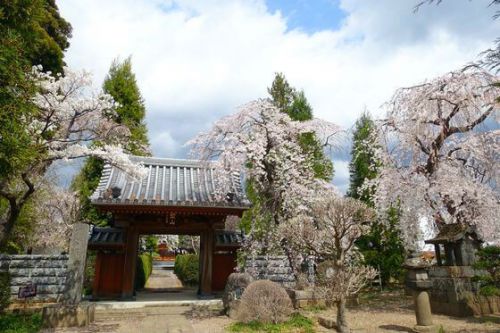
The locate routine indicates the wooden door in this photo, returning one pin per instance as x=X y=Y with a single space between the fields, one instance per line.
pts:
x=110 y=275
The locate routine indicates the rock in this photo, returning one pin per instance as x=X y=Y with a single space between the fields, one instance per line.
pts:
x=68 y=316
x=327 y=322
x=236 y=284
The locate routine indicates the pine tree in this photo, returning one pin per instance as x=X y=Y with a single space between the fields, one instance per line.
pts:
x=295 y=104
x=382 y=247
x=122 y=85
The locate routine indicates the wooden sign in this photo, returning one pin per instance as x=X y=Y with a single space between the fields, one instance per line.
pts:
x=27 y=291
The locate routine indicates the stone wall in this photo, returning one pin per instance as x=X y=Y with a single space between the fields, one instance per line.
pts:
x=275 y=268
x=48 y=272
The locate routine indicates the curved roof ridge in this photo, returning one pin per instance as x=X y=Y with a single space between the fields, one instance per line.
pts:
x=167 y=161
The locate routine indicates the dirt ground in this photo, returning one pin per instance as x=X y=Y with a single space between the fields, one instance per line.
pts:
x=385 y=312
x=378 y=312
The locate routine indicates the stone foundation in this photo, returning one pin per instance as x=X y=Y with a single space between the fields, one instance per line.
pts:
x=449 y=287
x=305 y=298
x=68 y=316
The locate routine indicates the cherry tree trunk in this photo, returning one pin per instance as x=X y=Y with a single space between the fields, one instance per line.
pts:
x=342 y=326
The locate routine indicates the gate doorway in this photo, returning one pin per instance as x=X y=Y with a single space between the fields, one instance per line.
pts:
x=174 y=270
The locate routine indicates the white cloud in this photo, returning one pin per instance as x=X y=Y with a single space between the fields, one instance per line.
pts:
x=197 y=60
x=341 y=178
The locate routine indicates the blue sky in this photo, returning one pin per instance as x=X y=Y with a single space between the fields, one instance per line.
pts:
x=309 y=16
x=196 y=61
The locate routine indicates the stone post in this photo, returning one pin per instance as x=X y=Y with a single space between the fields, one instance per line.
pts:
x=422 y=310
x=417 y=279
x=76 y=263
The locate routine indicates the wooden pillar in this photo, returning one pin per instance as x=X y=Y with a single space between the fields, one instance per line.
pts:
x=438 y=254
x=450 y=258
x=206 y=261
x=130 y=263
x=457 y=253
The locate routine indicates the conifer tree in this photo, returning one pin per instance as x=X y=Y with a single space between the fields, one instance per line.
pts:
x=295 y=104
x=382 y=247
x=121 y=84
x=363 y=164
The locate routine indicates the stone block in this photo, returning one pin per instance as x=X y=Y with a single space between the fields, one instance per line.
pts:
x=37 y=272
x=68 y=316
x=39 y=280
x=37 y=263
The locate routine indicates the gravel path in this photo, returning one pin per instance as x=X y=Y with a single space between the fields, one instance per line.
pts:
x=162 y=278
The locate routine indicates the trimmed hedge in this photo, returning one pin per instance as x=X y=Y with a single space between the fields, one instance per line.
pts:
x=143 y=270
x=187 y=268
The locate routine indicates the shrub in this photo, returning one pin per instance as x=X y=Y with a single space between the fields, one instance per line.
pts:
x=20 y=323
x=143 y=270
x=187 y=267
x=4 y=290
x=264 y=301
x=489 y=262
x=235 y=285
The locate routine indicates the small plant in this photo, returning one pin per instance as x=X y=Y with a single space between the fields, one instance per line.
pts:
x=20 y=323
x=89 y=274
x=266 y=302
x=4 y=290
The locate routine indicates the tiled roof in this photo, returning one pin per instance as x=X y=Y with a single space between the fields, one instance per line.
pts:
x=452 y=233
x=228 y=238
x=169 y=182
x=104 y=237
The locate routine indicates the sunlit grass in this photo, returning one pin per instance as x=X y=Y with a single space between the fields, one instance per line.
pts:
x=297 y=324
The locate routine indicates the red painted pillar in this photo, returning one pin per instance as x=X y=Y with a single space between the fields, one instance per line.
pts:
x=206 y=260
x=130 y=263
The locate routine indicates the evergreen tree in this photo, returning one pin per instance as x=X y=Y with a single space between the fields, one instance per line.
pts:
x=382 y=247
x=122 y=85
x=295 y=104
x=31 y=33
x=363 y=164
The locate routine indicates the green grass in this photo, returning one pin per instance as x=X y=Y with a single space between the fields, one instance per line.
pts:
x=314 y=308
x=296 y=324
x=20 y=323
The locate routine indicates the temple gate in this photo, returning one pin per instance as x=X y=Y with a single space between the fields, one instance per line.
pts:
x=176 y=197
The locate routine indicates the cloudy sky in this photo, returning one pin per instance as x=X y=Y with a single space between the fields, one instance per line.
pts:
x=196 y=60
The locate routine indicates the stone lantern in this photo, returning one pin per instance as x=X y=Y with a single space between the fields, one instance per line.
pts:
x=417 y=280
